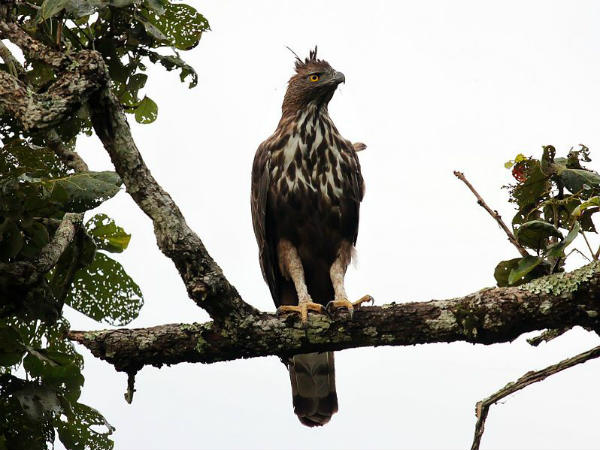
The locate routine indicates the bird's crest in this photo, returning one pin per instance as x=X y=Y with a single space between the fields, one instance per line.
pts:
x=310 y=60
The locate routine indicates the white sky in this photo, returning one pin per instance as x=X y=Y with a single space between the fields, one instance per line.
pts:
x=432 y=86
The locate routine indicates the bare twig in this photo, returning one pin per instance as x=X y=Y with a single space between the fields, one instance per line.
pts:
x=547 y=336
x=130 y=386
x=588 y=246
x=576 y=250
x=493 y=213
x=482 y=407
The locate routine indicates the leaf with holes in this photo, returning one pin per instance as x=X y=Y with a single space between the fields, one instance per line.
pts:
x=146 y=111
x=81 y=429
x=104 y=292
x=107 y=235
x=180 y=24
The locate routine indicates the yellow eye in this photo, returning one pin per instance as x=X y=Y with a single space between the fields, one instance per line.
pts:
x=314 y=77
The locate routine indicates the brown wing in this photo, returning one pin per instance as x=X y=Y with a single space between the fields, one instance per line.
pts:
x=258 y=200
x=357 y=188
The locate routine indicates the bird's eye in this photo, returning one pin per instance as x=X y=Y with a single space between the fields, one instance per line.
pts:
x=314 y=77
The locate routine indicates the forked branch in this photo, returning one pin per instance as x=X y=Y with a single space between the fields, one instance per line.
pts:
x=482 y=407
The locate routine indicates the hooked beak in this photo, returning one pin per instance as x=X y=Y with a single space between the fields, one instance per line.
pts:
x=338 y=78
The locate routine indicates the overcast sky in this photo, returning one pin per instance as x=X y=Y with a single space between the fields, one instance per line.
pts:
x=431 y=87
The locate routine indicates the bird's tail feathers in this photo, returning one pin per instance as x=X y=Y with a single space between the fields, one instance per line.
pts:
x=313 y=387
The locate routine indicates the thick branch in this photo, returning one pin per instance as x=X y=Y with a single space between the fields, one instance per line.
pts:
x=483 y=406
x=31 y=48
x=79 y=74
x=203 y=278
x=36 y=111
x=487 y=316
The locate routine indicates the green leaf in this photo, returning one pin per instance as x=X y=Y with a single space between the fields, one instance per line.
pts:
x=533 y=189
x=11 y=348
x=82 y=191
x=171 y=62
x=147 y=111
x=18 y=157
x=153 y=30
x=592 y=202
x=79 y=431
x=180 y=24
x=578 y=180
x=50 y=8
x=53 y=367
x=38 y=401
x=104 y=292
x=557 y=250
x=11 y=240
x=107 y=235
x=158 y=6
x=535 y=233
x=77 y=8
x=36 y=237
x=524 y=266
x=587 y=224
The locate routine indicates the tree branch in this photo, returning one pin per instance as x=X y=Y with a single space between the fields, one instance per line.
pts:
x=482 y=407
x=488 y=316
x=79 y=74
x=68 y=156
x=547 y=336
x=203 y=278
x=63 y=236
x=31 y=48
x=493 y=213
x=24 y=273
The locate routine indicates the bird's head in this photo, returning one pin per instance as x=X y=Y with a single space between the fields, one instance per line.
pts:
x=314 y=82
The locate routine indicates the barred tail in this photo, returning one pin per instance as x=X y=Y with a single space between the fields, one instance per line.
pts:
x=313 y=387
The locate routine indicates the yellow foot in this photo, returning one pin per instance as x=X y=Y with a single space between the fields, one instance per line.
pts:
x=301 y=309
x=349 y=306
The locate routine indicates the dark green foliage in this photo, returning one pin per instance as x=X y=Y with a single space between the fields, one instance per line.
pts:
x=33 y=409
x=551 y=194
x=40 y=371
x=104 y=292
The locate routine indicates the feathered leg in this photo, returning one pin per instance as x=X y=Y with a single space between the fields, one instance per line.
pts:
x=337 y=273
x=291 y=267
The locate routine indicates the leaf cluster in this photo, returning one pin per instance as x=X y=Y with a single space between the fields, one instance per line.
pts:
x=36 y=191
x=129 y=34
x=556 y=198
x=40 y=371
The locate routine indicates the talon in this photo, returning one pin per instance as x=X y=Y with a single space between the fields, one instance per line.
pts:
x=364 y=299
x=349 y=306
x=301 y=309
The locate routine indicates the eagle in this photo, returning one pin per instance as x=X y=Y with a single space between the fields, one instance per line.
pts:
x=305 y=199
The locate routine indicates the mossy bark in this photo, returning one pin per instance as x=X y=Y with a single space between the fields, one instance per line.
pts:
x=488 y=316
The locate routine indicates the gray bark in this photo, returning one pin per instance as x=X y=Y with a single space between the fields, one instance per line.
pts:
x=488 y=316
